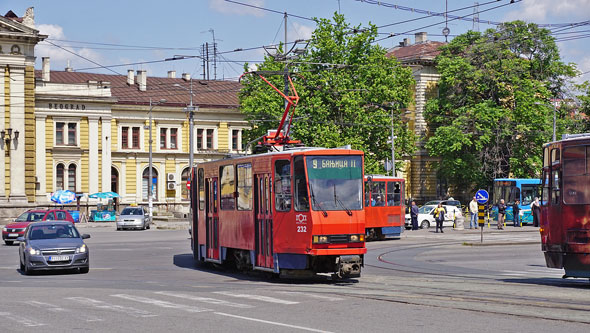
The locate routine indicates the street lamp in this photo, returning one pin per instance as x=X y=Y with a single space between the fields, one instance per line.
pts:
x=151 y=180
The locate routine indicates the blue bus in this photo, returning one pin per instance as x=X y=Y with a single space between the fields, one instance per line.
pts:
x=511 y=189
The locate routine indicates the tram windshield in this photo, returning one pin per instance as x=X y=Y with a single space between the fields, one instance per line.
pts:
x=335 y=182
x=576 y=175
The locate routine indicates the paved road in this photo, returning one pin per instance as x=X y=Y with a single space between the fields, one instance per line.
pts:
x=424 y=282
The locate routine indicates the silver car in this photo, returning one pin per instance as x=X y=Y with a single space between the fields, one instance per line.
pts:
x=133 y=218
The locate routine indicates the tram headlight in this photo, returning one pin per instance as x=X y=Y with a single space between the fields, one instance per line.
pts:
x=320 y=239
x=357 y=238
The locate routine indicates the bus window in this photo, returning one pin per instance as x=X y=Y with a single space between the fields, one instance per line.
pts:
x=529 y=192
x=394 y=193
x=283 y=185
x=513 y=195
x=301 y=197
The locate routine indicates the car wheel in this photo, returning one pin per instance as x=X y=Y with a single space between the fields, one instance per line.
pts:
x=148 y=225
x=425 y=224
x=26 y=269
x=22 y=266
x=84 y=270
x=8 y=242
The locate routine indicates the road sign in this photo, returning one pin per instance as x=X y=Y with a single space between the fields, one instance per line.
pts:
x=482 y=196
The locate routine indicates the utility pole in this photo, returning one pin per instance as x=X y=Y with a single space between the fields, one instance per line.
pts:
x=286 y=75
x=392 y=146
x=150 y=172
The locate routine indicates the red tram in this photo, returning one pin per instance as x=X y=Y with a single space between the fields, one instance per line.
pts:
x=384 y=206
x=565 y=208
x=298 y=210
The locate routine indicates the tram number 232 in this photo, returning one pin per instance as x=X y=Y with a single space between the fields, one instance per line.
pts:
x=301 y=228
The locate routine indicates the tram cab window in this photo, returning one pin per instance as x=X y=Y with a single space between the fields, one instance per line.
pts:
x=283 y=185
x=301 y=196
x=201 y=184
x=394 y=190
x=377 y=193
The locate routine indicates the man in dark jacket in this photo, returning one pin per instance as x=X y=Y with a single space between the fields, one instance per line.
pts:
x=515 y=213
x=414 y=215
x=501 y=214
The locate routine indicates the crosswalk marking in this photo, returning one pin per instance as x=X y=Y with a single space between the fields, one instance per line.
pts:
x=328 y=298
x=20 y=319
x=112 y=307
x=271 y=322
x=55 y=308
x=256 y=297
x=205 y=299
x=162 y=304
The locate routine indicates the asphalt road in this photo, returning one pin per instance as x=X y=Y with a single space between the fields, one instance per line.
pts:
x=423 y=282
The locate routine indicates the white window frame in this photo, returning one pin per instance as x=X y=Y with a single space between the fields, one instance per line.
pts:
x=66 y=133
x=130 y=137
x=167 y=127
x=215 y=137
x=230 y=138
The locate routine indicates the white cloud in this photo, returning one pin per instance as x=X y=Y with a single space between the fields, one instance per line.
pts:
x=301 y=31
x=542 y=10
x=58 y=56
x=233 y=8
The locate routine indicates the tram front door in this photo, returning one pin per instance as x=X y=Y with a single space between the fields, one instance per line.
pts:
x=264 y=248
x=212 y=206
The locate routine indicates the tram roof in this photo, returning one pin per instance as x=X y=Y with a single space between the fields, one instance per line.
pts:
x=293 y=151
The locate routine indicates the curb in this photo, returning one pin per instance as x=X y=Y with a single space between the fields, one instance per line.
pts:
x=500 y=243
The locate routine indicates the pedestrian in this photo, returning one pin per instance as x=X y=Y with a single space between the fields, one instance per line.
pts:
x=439 y=216
x=536 y=210
x=501 y=214
x=473 y=210
x=414 y=215
x=515 y=213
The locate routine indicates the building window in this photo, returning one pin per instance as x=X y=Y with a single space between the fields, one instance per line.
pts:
x=124 y=137
x=184 y=178
x=72 y=177
x=72 y=134
x=200 y=138
x=235 y=136
x=135 y=138
x=145 y=182
x=173 y=138
x=59 y=133
x=163 y=138
x=59 y=177
x=209 y=139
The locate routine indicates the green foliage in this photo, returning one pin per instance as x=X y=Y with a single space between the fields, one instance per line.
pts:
x=348 y=89
x=492 y=115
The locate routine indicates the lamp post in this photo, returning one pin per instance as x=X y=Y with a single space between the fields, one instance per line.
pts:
x=150 y=179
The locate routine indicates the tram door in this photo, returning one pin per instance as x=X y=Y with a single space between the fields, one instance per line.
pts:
x=212 y=226
x=264 y=251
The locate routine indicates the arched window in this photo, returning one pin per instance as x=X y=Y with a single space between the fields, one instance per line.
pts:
x=184 y=179
x=114 y=180
x=145 y=182
x=72 y=177
x=59 y=177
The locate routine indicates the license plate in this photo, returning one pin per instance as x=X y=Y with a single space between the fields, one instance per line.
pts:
x=59 y=258
x=12 y=235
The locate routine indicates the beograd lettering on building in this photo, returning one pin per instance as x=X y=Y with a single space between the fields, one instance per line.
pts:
x=66 y=106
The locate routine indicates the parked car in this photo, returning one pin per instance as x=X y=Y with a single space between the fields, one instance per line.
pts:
x=53 y=245
x=134 y=218
x=426 y=219
x=448 y=202
x=16 y=229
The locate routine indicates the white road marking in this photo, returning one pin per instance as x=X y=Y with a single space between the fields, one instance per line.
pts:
x=256 y=297
x=21 y=320
x=55 y=308
x=271 y=322
x=162 y=304
x=328 y=298
x=205 y=300
x=113 y=307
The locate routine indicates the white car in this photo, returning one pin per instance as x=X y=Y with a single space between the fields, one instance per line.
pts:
x=426 y=220
x=134 y=217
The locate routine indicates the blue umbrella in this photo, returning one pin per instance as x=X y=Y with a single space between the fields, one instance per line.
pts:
x=63 y=196
x=103 y=195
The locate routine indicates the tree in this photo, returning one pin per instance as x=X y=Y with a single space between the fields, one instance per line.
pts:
x=348 y=89
x=492 y=115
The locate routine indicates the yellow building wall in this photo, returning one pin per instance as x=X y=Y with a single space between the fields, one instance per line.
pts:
x=223 y=137
x=170 y=168
x=84 y=172
x=130 y=172
x=48 y=155
x=114 y=135
x=30 y=153
x=185 y=137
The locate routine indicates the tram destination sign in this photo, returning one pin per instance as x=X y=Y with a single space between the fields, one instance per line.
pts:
x=339 y=167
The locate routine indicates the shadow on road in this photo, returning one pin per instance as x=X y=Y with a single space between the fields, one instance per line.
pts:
x=555 y=282
x=186 y=261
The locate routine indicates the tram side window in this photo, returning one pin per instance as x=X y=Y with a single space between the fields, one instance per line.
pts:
x=555 y=189
x=301 y=196
x=245 y=186
x=201 y=180
x=546 y=189
x=546 y=157
x=394 y=190
x=283 y=185
x=228 y=187
x=576 y=175
x=377 y=194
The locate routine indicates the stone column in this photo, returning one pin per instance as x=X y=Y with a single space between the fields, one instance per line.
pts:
x=123 y=181
x=41 y=172
x=106 y=154
x=17 y=123
x=138 y=181
x=93 y=155
x=3 y=178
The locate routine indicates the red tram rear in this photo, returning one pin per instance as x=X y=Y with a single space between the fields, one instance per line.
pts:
x=565 y=210
x=384 y=206
x=298 y=210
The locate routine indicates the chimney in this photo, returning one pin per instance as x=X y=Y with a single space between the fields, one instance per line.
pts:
x=407 y=42
x=142 y=79
x=130 y=77
x=420 y=37
x=68 y=68
x=186 y=76
x=171 y=74
x=45 y=72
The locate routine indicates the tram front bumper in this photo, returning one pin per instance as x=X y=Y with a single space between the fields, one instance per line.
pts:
x=349 y=266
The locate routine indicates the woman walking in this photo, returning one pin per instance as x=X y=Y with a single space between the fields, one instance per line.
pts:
x=439 y=216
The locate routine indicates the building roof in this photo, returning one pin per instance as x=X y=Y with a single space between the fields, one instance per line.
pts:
x=220 y=94
x=420 y=52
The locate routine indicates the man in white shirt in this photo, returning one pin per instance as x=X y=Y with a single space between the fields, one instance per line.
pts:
x=473 y=210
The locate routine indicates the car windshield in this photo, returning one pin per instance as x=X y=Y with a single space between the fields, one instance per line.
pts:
x=30 y=217
x=53 y=231
x=132 y=211
x=425 y=209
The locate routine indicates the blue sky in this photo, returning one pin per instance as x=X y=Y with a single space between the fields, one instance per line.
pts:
x=131 y=32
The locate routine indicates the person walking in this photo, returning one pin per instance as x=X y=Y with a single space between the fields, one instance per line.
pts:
x=414 y=215
x=515 y=213
x=439 y=216
x=501 y=214
x=536 y=210
x=473 y=211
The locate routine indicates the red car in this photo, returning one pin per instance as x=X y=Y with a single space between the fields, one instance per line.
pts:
x=12 y=231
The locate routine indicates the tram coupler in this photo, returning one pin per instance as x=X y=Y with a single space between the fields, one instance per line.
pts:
x=348 y=266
